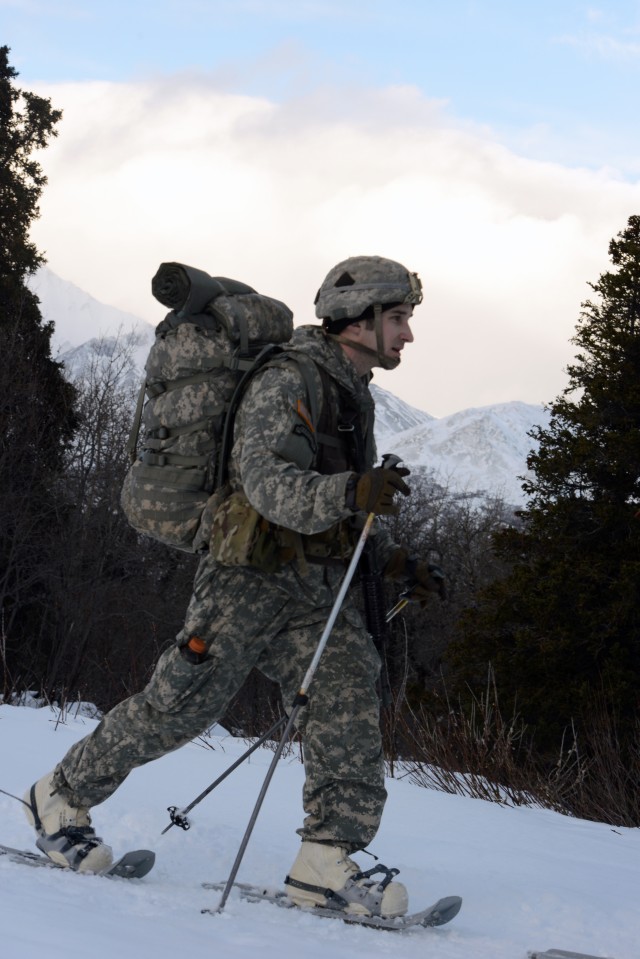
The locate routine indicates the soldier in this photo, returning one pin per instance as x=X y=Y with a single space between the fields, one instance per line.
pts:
x=302 y=472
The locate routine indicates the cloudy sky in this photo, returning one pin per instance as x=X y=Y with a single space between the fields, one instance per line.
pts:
x=491 y=146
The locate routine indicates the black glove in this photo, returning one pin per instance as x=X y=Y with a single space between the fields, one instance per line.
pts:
x=373 y=492
x=421 y=579
x=427 y=580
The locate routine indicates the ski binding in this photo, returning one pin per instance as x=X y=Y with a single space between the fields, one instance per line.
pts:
x=441 y=912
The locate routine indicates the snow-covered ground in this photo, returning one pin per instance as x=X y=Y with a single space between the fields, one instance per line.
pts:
x=530 y=879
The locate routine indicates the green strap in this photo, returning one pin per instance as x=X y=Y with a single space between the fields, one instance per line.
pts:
x=174 y=320
x=132 y=442
x=155 y=438
x=264 y=356
x=307 y=368
x=173 y=459
x=156 y=387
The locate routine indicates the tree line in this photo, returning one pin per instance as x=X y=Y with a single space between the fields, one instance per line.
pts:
x=527 y=675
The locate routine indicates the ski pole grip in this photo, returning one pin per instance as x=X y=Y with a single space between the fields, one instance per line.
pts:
x=390 y=461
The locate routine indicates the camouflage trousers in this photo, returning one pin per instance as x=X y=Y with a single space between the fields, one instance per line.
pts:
x=275 y=622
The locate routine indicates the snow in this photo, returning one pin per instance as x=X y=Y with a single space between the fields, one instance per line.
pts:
x=529 y=878
x=480 y=449
x=78 y=317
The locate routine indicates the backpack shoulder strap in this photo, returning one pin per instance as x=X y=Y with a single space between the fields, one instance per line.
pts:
x=309 y=371
x=333 y=413
x=266 y=354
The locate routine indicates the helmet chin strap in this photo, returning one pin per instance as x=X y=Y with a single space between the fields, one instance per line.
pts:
x=386 y=362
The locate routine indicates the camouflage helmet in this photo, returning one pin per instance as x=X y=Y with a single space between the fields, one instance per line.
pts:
x=360 y=282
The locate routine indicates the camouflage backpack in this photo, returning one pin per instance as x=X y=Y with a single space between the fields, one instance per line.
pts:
x=217 y=333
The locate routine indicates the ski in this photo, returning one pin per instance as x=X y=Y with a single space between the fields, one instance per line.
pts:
x=560 y=954
x=133 y=865
x=438 y=914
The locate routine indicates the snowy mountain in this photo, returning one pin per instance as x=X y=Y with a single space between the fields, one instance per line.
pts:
x=79 y=318
x=394 y=416
x=530 y=879
x=480 y=450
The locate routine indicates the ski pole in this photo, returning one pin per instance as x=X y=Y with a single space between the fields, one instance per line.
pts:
x=300 y=700
x=179 y=817
x=402 y=602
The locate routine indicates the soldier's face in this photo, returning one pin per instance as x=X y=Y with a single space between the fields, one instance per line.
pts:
x=396 y=332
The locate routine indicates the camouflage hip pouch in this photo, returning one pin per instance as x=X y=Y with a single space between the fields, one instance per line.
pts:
x=333 y=546
x=240 y=536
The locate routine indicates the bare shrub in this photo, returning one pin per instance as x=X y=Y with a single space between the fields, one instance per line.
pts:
x=479 y=753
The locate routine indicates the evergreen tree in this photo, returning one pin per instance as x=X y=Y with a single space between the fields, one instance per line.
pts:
x=562 y=630
x=36 y=403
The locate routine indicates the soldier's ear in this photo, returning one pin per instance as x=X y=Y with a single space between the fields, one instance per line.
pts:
x=354 y=328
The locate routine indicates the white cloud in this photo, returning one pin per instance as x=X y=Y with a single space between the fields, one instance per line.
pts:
x=275 y=194
x=604 y=46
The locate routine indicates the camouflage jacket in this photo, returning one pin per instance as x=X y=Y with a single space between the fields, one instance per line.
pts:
x=275 y=447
